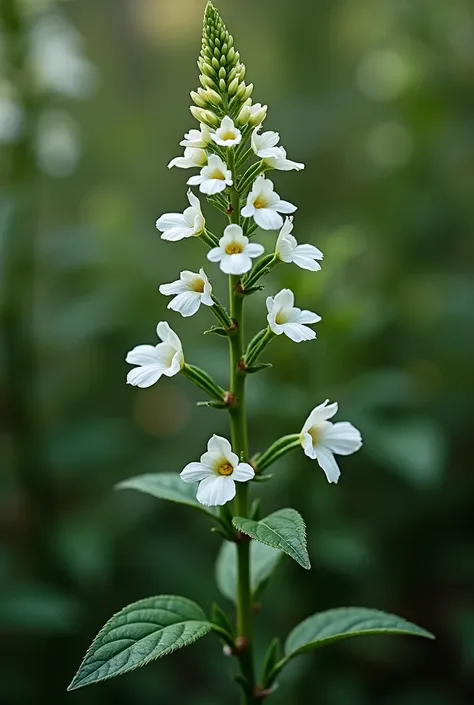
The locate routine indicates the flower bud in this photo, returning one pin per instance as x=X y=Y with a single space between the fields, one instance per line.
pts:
x=222 y=85
x=206 y=69
x=211 y=119
x=241 y=91
x=244 y=115
x=207 y=82
x=233 y=86
x=213 y=97
x=248 y=92
x=198 y=99
x=231 y=55
x=258 y=114
x=222 y=72
x=198 y=113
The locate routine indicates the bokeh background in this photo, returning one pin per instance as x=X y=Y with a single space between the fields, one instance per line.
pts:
x=377 y=98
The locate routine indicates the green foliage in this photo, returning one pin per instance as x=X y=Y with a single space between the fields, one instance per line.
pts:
x=284 y=530
x=165 y=485
x=342 y=623
x=263 y=561
x=141 y=632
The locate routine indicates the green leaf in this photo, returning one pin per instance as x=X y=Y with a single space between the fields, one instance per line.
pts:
x=142 y=631
x=165 y=485
x=263 y=561
x=284 y=530
x=326 y=627
x=271 y=659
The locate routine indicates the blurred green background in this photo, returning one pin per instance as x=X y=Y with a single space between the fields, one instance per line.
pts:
x=377 y=98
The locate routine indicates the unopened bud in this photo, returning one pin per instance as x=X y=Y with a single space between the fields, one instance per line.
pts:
x=198 y=99
x=222 y=84
x=198 y=113
x=215 y=63
x=248 y=92
x=222 y=72
x=233 y=85
x=211 y=119
x=244 y=115
x=213 y=97
x=258 y=114
x=241 y=91
x=207 y=69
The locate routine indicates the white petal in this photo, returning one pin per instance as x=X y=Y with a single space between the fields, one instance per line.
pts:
x=145 y=376
x=182 y=163
x=320 y=413
x=166 y=334
x=176 y=364
x=284 y=207
x=328 y=463
x=268 y=219
x=297 y=332
x=342 y=438
x=216 y=254
x=212 y=186
x=142 y=355
x=285 y=299
x=194 y=201
x=248 y=210
x=307 y=443
x=304 y=262
x=194 y=472
x=216 y=491
x=309 y=251
x=234 y=232
x=236 y=264
x=195 y=180
x=170 y=220
x=307 y=317
x=243 y=472
x=187 y=303
x=176 y=287
x=254 y=249
x=175 y=234
x=219 y=446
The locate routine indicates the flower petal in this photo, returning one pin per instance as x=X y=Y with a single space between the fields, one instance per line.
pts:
x=268 y=219
x=284 y=207
x=195 y=472
x=142 y=355
x=145 y=376
x=215 y=491
x=170 y=220
x=176 y=287
x=212 y=186
x=307 y=317
x=243 y=472
x=216 y=254
x=219 y=446
x=321 y=413
x=328 y=463
x=236 y=264
x=297 y=332
x=186 y=303
x=254 y=249
x=342 y=438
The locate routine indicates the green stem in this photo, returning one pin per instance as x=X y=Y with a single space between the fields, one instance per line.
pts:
x=238 y=425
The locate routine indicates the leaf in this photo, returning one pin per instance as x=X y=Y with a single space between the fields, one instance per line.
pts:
x=142 y=631
x=345 y=622
x=165 y=485
x=263 y=561
x=284 y=530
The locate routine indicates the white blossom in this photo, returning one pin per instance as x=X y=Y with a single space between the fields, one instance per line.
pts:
x=288 y=250
x=227 y=135
x=193 y=157
x=264 y=205
x=153 y=361
x=321 y=439
x=191 y=291
x=281 y=163
x=235 y=252
x=283 y=317
x=214 y=177
x=176 y=226
x=265 y=144
x=217 y=473
x=258 y=113
x=197 y=139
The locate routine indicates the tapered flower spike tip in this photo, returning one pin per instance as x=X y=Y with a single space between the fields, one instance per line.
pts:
x=223 y=89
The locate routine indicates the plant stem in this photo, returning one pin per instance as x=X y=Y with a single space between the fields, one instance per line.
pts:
x=238 y=424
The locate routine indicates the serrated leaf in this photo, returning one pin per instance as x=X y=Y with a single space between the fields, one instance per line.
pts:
x=284 y=530
x=165 y=485
x=141 y=632
x=263 y=561
x=345 y=622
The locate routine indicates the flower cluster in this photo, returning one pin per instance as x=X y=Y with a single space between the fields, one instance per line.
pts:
x=233 y=153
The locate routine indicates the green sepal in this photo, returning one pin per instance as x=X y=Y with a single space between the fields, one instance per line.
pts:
x=204 y=381
x=221 y=620
x=284 y=530
x=272 y=657
x=217 y=330
x=253 y=290
x=213 y=404
x=142 y=631
x=258 y=367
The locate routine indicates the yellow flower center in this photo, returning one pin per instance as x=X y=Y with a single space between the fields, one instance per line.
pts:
x=198 y=285
x=315 y=434
x=225 y=469
x=216 y=174
x=258 y=203
x=280 y=318
x=228 y=136
x=233 y=249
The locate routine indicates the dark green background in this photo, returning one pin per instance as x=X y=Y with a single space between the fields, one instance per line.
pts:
x=376 y=97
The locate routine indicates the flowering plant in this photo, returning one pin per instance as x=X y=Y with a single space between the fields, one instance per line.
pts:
x=224 y=148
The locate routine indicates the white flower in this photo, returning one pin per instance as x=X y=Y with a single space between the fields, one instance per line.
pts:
x=235 y=251
x=264 y=145
x=227 y=135
x=213 y=178
x=320 y=439
x=288 y=250
x=153 y=361
x=280 y=162
x=198 y=139
x=191 y=291
x=192 y=158
x=258 y=113
x=217 y=473
x=176 y=226
x=283 y=317
x=265 y=206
